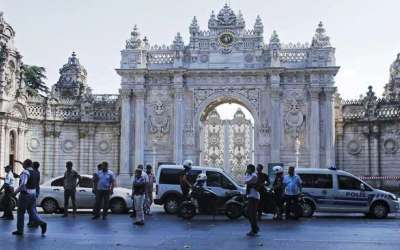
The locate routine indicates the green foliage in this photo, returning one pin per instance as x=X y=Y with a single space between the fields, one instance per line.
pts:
x=34 y=77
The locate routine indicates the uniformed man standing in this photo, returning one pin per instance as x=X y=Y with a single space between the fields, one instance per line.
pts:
x=8 y=187
x=105 y=188
x=29 y=182
x=71 y=181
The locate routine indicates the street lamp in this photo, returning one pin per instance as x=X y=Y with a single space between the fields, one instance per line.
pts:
x=297 y=147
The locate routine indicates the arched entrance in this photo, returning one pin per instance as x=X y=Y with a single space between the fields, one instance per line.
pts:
x=226 y=136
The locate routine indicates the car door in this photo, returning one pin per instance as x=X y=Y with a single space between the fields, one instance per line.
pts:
x=214 y=182
x=351 y=196
x=56 y=191
x=319 y=187
x=84 y=195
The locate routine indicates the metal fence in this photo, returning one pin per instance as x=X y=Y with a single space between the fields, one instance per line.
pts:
x=388 y=183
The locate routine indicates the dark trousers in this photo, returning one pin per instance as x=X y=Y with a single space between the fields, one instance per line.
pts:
x=102 y=200
x=6 y=202
x=279 y=200
x=27 y=202
x=263 y=202
x=252 y=213
x=69 y=194
x=291 y=202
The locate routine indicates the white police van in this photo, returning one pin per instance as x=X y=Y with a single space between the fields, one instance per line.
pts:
x=331 y=190
x=168 y=190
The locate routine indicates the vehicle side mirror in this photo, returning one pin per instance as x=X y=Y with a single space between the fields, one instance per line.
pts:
x=362 y=187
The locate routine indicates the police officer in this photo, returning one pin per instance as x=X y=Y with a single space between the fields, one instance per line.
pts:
x=105 y=188
x=278 y=187
x=29 y=182
x=262 y=183
x=183 y=178
x=8 y=188
x=292 y=184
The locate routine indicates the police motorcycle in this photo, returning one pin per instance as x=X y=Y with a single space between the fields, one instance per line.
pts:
x=203 y=200
x=296 y=209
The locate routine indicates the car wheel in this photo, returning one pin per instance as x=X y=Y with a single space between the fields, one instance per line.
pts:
x=118 y=206
x=233 y=211
x=380 y=210
x=171 y=205
x=308 y=209
x=50 y=206
x=187 y=210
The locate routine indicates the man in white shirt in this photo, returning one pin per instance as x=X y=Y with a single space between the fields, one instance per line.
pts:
x=253 y=197
x=8 y=187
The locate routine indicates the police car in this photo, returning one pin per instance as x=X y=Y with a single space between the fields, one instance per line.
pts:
x=331 y=190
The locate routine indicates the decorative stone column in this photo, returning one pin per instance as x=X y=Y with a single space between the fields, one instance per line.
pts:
x=139 y=127
x=126 y=135
x=315 y=128
x=179 y=118
x=329 y=126
x=276 y=119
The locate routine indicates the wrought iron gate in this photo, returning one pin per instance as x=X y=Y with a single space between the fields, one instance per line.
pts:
x=227 y=144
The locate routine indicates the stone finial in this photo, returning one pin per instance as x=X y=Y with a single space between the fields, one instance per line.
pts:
x=73 y=60
x=274 y=39
x=212 y=22
x=395 y=68
x=226 y=16
x=1 y=16
x=258 y=25
x=320 y=39
x=240 y=19
x=178 y=42
x=370 y=103
x=134 y=41
x=194 y=26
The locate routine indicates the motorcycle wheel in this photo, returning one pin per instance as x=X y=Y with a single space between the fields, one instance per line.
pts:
x=245 y=208
x=233 y=211
x=187 y=210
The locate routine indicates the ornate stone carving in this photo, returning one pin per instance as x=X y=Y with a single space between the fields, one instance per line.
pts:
x=391 y=146
x=320 y=39
x=68 y=145
x=250 y=94
x=34 y=144
x=264 y=135
x=294 y=117
x=159 y=118
x=104 y=146
x=354 y=147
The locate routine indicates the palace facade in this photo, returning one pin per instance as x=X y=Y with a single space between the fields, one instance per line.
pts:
x=165 y=109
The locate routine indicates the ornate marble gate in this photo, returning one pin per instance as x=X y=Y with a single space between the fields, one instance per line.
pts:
x=227 y=143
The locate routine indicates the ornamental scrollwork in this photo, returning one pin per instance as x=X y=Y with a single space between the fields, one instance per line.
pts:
x=159 y=118
x=294 y=117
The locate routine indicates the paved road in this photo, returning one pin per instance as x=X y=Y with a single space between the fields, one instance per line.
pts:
x=169 y=232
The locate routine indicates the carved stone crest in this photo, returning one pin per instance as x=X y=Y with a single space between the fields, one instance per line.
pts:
x=159 y=118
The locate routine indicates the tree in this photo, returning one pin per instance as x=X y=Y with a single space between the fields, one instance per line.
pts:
x=33 y=77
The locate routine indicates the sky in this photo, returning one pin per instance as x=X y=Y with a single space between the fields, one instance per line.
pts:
x=365 y=33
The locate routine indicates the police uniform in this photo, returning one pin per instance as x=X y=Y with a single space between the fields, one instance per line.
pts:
x=29 y=183
x=8 y=187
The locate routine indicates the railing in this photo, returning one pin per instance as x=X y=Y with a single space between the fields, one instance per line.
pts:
x=389 y=183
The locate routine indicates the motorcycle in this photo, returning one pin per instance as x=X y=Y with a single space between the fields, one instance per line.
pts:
x=13 y=202
x=203 y=200
x=268 y=204
x=296 y=209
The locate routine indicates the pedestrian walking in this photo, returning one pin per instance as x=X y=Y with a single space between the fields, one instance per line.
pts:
x=35 y=166
x=253 y=197
x=8 y=188
x=278 y=188
x=262 y=184
x=28 y=185
x=151 y=179
x=105 y=188
x=138 y=193
x=292 y=184
x=71 y=181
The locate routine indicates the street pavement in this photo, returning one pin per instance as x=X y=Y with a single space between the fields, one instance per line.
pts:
x=333 y=231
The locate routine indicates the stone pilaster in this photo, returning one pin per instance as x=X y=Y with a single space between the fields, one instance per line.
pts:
x=139 y=127
x=276 y=118
x=179 y=117
x=315 y=127
x=126 y=135
x=329 y=126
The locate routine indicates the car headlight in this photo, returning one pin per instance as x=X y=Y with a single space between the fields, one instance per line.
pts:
x=392 y=197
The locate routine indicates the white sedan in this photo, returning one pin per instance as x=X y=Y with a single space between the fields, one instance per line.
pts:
x=51 y=197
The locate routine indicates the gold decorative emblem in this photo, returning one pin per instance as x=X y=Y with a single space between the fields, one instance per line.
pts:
x=226 y=39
